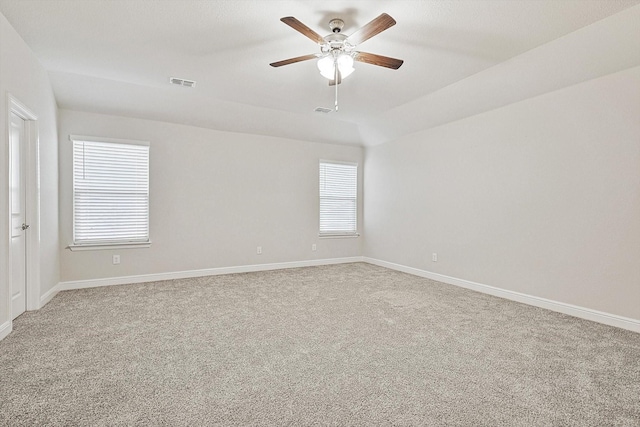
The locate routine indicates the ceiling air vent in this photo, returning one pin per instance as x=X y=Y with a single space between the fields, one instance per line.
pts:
x=323 y=110
x=182 y=82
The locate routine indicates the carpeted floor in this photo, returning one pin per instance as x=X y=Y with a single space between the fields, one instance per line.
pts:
x=350 y=344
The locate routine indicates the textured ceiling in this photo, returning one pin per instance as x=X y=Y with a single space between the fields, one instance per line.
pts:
x=116 y=57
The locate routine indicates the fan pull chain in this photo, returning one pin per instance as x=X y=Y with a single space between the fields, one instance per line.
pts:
x=336 y=83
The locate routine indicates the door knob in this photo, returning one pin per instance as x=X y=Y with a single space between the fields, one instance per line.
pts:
x=25 y=226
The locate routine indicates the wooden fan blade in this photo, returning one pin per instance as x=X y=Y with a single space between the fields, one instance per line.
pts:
x=382 y=61
x=374 y=27
x=302 y=29
x=293 y=60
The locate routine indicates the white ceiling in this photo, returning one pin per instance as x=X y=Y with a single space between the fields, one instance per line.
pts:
x=461 y=58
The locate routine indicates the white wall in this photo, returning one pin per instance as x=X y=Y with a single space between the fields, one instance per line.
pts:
x=540 y=197
x=214 y=197
x=22 y=76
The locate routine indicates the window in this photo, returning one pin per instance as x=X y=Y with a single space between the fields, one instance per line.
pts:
x=110 y=192
x=338 y=199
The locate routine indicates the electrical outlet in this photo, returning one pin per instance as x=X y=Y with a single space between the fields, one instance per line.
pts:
x=314 y=247
x=259 y=250
x=116 y=259
x=434 y=257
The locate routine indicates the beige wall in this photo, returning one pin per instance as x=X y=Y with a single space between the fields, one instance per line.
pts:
x=23 y=77
x=215 y=196
x=540 y=197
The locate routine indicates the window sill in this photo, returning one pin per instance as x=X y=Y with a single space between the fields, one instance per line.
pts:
x=105 y=246
x=338 y=236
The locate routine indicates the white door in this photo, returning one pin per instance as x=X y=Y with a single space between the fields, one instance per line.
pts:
x=18 y=225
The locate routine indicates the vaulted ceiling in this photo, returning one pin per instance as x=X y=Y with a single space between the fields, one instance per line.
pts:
x=461 y=57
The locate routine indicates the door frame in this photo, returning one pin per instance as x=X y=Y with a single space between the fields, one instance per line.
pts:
x=31 y=146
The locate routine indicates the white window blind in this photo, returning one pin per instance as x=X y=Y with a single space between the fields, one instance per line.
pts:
x=338 y=199
x=110 y=192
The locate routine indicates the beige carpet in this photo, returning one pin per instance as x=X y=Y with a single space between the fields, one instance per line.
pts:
x=350 y=344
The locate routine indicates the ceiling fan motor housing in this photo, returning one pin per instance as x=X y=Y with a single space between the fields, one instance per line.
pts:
x=335 y=41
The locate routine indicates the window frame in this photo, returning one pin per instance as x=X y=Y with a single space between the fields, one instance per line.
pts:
x=338 y=234
x=114 y=244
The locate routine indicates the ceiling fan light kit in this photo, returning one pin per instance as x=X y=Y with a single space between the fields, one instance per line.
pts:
x=327 y=65
x=337 y=54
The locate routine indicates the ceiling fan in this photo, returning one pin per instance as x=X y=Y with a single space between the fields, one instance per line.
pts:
x=337 y=50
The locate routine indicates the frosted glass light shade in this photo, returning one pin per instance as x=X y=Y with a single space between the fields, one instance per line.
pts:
x=325 y=65
x=345 y=65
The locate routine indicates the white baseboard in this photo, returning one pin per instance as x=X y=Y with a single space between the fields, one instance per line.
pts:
x=572 y=310
x=142 y=278
x=5 y=329
x=48 y=296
